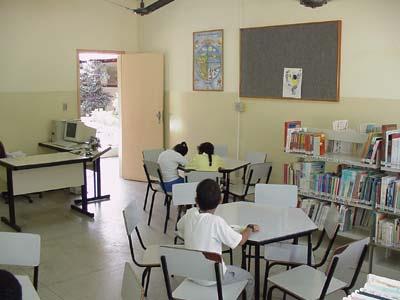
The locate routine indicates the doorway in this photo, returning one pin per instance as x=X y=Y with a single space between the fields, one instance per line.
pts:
x=99 y=96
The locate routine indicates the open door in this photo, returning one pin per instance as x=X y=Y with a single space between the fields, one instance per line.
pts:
x=142 y=91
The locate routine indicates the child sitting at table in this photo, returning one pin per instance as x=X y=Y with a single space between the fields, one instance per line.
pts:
x=206 y=160
x=169 y=161
x=204 y=231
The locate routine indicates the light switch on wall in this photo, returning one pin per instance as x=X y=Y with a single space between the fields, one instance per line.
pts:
x=65 y=106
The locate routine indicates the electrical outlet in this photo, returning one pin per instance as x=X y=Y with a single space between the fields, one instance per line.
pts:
x=239 y=106
x=65 y=106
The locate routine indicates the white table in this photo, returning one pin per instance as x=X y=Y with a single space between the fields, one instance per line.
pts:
x=276 y=224
x=28 y=290
x=44 y=172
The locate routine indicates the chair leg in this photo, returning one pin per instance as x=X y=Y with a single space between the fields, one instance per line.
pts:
x=144 y=276
x=243 y=257
x=151 y=208
x=271 y=289
x=147 y=283
x=145 y=198
x=249 y=259
x=231 y=256
x=266 y=280
x=167 y=216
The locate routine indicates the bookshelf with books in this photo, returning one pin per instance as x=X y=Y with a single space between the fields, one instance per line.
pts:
x=365 y=187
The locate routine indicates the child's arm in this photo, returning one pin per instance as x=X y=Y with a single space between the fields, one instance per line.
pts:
x=247 y=232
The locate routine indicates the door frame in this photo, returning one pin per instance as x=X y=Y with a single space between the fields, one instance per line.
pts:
x=78 y=82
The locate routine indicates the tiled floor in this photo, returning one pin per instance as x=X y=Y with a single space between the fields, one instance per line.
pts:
x=84 y=259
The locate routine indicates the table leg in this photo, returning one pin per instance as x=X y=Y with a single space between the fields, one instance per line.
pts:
x=243 y=265
x=94 y=179
x=11 y=207
x=309 y=249
x=227 y=183
x=84 y=201
x=257 y=272
x=98 y=197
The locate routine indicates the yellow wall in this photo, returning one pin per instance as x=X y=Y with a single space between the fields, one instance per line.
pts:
x=38 y=60
x=369 y=79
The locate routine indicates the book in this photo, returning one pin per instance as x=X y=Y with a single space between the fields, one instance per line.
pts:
x=386 y=128
x=290 y=125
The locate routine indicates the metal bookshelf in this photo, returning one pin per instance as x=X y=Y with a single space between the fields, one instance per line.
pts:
x=351 y=136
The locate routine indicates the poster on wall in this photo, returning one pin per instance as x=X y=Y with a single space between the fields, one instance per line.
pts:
x=292 y=79
x=208 y=60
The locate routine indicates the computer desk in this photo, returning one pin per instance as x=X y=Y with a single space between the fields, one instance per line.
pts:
x=44 y=172
x=95 y=159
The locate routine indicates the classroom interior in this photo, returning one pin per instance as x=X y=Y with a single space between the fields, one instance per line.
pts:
x=84 y=258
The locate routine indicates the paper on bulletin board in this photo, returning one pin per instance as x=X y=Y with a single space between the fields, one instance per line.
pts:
x=292 y=80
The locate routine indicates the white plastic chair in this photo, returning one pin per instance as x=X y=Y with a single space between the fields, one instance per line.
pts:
x=255 y=174
x=152 y=154
x=305 y=282
x=221 y=150
x=278 y=195
x=256 y=157
x=196 y=265
x=199 y=176
x=150 y=258
x=21 y=249
x=295 y=255
x=131 y=288
x=153 y=170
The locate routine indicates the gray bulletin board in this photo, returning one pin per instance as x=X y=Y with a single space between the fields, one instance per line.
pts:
x=314 y=47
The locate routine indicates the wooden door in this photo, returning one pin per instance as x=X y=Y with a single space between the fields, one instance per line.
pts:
x=142 y=92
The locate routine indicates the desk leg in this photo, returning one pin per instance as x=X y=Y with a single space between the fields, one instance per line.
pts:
x=84 y=201
x=257 y=272
x=11 y=207
x=98 y=197
x=309 y=249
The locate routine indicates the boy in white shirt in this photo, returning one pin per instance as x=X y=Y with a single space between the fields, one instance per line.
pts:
x=204 y=231
x=169 y=161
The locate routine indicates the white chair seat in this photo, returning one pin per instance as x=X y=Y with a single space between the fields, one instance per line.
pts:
x=305 y=282
x=240 y=189
x=193 y=291
x=28 y=291
x=287 y=252
x=151 y=255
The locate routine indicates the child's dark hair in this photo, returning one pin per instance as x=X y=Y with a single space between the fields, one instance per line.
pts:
x=208 y=149
x=208 y=194
x=181 y=148
x=10 y=288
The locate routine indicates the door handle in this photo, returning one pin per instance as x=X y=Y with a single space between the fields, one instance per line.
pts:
x=158 y=116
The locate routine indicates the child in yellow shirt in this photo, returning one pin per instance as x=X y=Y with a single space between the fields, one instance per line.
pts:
x=206 y=160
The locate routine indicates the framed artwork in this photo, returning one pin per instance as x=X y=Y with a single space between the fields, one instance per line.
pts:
x=208 y=60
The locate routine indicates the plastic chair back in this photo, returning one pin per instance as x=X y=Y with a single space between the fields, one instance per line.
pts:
x=131 y=218
x=221 y=150
x=256 y=157
x=279 y=195
x=189 y=263
x=199 y=176
x=184 y=193
x=19 y=249
x=152 y=154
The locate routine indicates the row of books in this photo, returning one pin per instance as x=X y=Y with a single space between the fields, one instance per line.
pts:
x=347 y=184
x=387 y=231
x=377 y=287
x=299 y=140
x=348 y=216
x=390 y=194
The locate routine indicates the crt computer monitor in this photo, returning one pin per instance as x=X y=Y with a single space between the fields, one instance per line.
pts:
x=76 y=131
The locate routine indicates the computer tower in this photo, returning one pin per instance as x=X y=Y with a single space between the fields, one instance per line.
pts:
x=57 y=132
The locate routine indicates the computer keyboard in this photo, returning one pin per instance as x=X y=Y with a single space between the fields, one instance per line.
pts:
x=66 y=144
